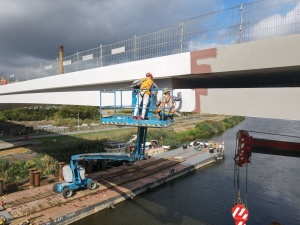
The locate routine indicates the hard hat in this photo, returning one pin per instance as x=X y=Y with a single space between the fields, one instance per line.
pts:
x=149 y=75
x=166 y=90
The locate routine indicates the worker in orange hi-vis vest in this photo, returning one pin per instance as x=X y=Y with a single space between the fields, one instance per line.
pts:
x=166 y=105
x=3 y=81
x=144 y=94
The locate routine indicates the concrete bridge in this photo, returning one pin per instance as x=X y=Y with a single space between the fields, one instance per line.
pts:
x=259 y=79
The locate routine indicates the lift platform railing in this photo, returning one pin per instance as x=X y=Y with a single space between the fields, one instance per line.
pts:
x=121 y=112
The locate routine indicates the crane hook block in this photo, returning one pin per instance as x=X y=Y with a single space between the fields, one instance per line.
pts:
x=245 y=148
x=240 y=214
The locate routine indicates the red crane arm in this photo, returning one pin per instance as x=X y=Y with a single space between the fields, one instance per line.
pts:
x=247 y=144
x=275 y=147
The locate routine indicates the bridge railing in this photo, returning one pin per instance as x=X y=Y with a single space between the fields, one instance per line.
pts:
x=249 y=22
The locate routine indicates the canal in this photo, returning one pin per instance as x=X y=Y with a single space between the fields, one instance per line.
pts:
x=205 y=197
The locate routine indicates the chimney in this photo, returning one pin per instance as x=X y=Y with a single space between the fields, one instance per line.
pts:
x=61 y=58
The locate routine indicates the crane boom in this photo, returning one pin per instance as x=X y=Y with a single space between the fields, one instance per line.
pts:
x=273 y=147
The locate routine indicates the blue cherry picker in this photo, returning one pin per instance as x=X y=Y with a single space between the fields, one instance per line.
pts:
x=120 y=114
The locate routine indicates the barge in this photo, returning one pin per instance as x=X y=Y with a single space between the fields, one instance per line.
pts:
x=42 y=205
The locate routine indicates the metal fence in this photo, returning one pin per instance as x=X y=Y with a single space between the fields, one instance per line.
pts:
x=249 y=22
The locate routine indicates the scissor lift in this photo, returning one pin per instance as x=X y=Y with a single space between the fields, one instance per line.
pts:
x=121 y=112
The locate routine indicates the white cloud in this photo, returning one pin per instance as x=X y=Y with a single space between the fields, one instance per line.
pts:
x=276 y=25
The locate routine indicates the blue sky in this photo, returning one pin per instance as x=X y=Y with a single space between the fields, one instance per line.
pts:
x=32 y=30
x=232 y=3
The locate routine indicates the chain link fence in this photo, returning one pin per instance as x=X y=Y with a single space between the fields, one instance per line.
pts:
x=249 y=22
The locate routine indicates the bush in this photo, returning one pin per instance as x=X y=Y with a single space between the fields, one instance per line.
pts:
x=232 y=121
x=165 y=137
x=209 y=128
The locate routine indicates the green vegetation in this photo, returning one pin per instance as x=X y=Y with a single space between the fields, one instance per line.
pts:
x=39 y=113
x=47 y=160
x=61 y=148
x=209 y=128
x=165 y=137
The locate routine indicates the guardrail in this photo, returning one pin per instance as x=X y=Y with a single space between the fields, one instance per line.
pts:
x=249 y=22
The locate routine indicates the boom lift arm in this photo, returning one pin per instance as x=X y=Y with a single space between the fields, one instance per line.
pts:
x=74 y=174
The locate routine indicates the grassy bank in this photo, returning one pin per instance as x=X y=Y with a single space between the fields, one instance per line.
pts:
x=209 y=128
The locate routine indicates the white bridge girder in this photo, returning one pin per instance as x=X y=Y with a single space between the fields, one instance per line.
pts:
x=279 y=103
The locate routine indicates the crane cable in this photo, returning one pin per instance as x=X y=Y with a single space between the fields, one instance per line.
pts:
x=246 y=201
x=234 y=175
x=237 y=180
x=239 y=209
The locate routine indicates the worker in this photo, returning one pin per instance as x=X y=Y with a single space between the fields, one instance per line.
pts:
x=3 y=81
x=145 y=84
x=166 y=105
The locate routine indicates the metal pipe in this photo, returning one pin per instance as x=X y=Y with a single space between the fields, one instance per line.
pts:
x=61 y=58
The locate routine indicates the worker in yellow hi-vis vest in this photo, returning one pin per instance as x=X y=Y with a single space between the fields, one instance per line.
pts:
x=166 y=105
x=144 y=95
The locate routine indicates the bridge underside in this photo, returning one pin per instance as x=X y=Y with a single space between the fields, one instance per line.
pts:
x=262 y=78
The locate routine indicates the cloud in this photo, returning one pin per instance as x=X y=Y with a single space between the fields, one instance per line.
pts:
x=276 y=25
x=32 y=30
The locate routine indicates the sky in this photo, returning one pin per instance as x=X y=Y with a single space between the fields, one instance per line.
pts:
x=31 y=31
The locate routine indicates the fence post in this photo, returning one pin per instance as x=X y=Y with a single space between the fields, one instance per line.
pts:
x=134 y=48
x=181 y=36
x=101 y=56
x=241 y=22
